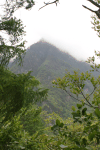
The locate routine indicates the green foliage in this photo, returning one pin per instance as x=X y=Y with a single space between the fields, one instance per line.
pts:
x=91 y=60
x=14 y=30
x=17 y=91
x=12 y=136
x=32 y=120
x=88 y=123
x=74 y=86
x=11 y=7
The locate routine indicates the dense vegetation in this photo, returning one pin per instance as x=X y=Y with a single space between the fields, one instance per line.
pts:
x=23 y=124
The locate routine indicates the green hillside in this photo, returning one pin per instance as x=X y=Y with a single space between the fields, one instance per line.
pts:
x=47 y=63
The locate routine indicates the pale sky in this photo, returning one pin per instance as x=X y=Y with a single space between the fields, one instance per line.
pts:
x=67 y=26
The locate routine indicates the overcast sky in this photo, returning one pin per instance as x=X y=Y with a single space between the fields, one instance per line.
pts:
x=67 y=26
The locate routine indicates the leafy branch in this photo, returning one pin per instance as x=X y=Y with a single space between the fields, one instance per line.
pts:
x=75 y=97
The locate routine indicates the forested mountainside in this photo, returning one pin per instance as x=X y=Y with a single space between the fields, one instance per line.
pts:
x=47 y=63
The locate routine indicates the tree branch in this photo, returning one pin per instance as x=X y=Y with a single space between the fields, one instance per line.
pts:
x=88 y=8
x=94 y=3
x=86 y=99
x=56 y=1
x=91 y=92
x=76 y=98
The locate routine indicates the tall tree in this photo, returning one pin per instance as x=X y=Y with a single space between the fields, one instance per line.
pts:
x=17 y=91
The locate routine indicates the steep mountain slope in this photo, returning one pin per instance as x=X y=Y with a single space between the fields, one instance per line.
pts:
x=47 y=63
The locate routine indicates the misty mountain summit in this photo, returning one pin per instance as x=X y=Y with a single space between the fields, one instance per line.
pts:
x=47 y=63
